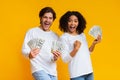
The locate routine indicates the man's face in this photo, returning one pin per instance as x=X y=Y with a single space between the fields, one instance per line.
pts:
x=46 y=21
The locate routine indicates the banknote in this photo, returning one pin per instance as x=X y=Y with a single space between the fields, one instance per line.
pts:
x=57 y=45
x=36 y=43
x=95 y=31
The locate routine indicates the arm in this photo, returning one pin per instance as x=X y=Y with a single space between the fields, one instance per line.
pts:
x=27 y=52
x=25 y=48
x=77 y=45
x=66 y=55
x=96 y=41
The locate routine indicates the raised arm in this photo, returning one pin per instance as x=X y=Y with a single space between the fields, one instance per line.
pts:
x=96 y=41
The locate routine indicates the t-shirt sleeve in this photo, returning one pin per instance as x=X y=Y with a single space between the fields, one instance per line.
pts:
x=25 y=48
x=65 y=52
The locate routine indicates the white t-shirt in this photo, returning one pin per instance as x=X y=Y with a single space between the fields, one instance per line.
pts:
x=43 y=60
x=80 y=64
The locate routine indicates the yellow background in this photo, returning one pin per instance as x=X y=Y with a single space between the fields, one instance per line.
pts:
x=17 y=16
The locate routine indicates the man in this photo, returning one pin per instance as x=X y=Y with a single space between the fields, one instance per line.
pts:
x=42 y=61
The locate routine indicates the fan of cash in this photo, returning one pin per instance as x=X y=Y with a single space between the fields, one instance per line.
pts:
x=95 y=31
x=36 y=43
x=57 y=45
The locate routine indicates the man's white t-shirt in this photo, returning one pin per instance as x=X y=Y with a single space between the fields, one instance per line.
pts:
x=43 y=61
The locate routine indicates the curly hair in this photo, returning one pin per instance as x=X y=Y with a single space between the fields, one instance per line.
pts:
x=63 y=22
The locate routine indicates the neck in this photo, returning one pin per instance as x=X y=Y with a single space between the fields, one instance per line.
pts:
x=73 y=33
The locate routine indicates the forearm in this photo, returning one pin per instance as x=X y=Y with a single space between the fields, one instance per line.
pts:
x=96 y=41
x=91 y=48
x=73 y=53
x=26 y=52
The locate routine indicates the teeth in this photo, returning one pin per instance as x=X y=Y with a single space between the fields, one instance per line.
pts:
x=72 y=27
x=46 y=23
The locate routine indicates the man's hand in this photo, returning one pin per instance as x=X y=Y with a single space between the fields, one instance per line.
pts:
x=56 y=55
x=34 y=52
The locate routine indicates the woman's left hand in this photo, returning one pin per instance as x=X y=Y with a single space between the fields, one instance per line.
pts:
x=98 y=40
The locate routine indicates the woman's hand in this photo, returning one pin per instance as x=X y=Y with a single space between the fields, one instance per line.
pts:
x=98 y=40
x=77 y=45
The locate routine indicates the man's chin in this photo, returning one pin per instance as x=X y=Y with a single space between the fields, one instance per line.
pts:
x=46 y=29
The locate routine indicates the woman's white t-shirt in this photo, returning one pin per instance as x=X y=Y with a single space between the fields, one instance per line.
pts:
x=80 y=64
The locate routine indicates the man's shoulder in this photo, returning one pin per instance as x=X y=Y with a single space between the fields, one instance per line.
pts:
x=54 y=33
x=32 y=29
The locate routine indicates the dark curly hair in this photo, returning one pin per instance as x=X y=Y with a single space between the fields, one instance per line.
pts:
x=46 y=10
x=63 y=22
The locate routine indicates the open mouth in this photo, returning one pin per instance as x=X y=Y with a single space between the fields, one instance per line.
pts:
x=71 y=27
x=47 y=24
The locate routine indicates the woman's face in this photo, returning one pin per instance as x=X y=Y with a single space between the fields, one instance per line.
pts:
x=73 y=24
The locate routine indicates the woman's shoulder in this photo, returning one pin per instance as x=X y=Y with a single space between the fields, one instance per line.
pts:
x=64 y=35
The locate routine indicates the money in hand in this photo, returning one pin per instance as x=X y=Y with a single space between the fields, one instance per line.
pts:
x=95 y=31
x=57 y=45
x=36 y=43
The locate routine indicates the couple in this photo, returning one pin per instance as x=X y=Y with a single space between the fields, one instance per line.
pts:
x=76 y=51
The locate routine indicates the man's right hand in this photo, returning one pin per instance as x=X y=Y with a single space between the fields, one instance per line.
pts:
x=34 y=52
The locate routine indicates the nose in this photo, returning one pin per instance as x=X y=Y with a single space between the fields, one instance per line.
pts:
x=47 y=19
x=72 y=23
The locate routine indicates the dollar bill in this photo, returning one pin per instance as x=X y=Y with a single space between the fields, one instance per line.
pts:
x=36 y=43
x=95 y=31
x=57 y=45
